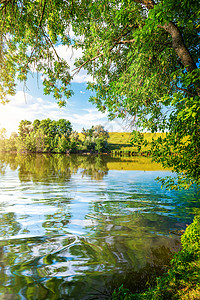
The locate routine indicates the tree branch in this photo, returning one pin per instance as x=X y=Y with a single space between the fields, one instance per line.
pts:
x=181 y=49
x=101 y=54
x=148 y=3
x=179 y=46
x=184 y=90
x=90 y=59
x=125 y=42
x=50 y=42
x=177 y=39
x=43 y=10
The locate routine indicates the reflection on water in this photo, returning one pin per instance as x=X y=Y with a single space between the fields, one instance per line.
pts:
x=76 y=227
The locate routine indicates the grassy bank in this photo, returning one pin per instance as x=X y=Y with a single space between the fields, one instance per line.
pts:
x=121 y=141
x=182 y=281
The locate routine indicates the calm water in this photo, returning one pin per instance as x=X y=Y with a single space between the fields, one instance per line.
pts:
x=77 y=227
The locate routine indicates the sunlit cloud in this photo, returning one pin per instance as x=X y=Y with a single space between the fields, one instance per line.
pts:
x=23 y=106
x=26 y=107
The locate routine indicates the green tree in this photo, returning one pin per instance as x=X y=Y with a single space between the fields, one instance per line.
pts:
x=95 y=139
x=40 y=139
x=2 y=139
x=30 y=142
x=36 y=124
x=20 y=144
x=143 y=55
x=25 y=142
x=64 y=127
x=49 y=130
x=11 y=142
x=101 y=145
x=63 y=144
x=25 y=127
x=100 y=132
x=75 y=142
x=49 y=127
x=54 y=130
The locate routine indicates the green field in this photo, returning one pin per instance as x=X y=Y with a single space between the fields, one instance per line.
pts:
x=121 y=141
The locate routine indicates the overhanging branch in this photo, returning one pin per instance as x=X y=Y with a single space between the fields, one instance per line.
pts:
x=87 y=61
x=101 y=54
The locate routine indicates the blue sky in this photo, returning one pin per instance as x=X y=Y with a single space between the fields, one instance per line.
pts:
x=31 y=103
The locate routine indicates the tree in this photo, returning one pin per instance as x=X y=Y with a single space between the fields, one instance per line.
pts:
x=11 y=142
x=100 y=132
x=49 y=127
x=42 y=136
x=75 y=142
x=64 y=127
x=25 y=128
x=63 y=144
x=95 y=138
x=54 y=131
x=40 y=140
x=36 y=124
x=2 y=139
x=143 y=54
x=2 y=133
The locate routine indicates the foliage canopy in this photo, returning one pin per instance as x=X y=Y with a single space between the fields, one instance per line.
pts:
x=143 y=55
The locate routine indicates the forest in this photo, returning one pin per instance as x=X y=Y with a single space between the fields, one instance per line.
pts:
x=54 y=137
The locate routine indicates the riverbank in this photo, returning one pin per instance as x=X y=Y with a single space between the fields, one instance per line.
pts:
x=182 y=280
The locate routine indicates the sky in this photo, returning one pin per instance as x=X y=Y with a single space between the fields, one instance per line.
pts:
x=30 y=103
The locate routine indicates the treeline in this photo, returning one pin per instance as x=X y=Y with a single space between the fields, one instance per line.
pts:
x=54 y=137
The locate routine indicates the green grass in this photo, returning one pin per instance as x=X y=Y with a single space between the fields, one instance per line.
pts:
x=121 y=141
x=119 y=138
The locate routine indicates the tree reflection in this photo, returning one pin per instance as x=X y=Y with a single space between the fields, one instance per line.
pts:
x=94 y=167
x=42 y=269
x=9 y=225
x=53 y=167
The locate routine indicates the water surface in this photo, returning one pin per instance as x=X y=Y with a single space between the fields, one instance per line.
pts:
x=75 y=227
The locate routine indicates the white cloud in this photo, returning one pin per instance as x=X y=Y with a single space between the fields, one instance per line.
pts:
x=37 y=108
x=70 y=55
x=29 y=108
x=95 y=117
x=91 y=110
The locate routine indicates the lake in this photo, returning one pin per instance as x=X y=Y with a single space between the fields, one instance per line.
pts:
x=76 y=227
